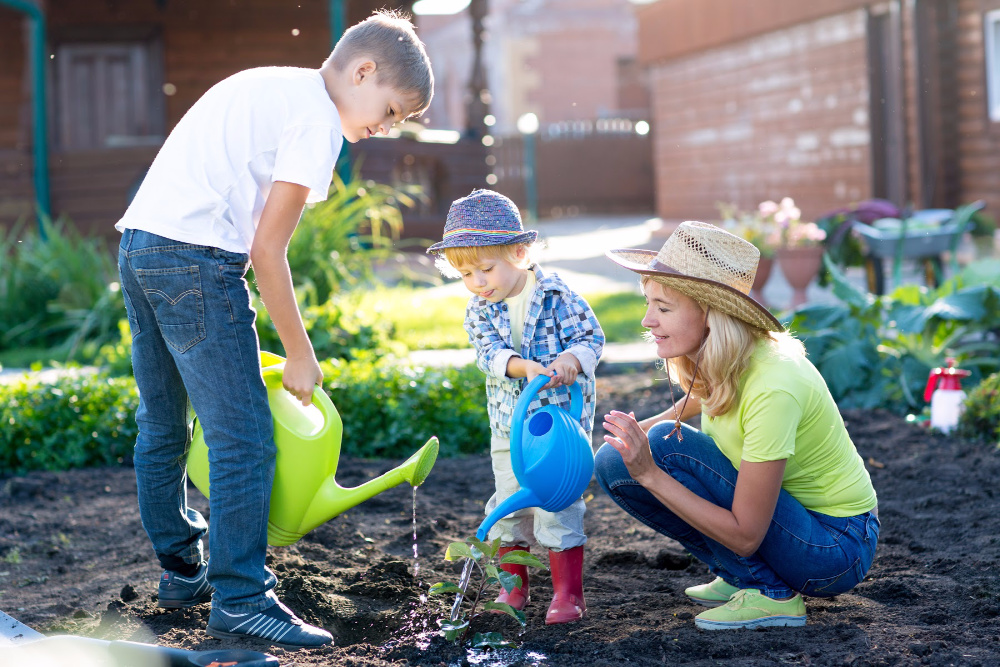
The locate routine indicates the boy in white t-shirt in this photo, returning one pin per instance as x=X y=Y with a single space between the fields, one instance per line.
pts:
x=225 y=191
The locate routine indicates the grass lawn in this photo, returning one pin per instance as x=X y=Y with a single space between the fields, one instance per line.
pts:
x=430 y=322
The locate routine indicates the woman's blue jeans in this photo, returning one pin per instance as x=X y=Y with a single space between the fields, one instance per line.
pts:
x=193 y=339
x=803 y=551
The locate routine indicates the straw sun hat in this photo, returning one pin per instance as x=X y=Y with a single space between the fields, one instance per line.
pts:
x=708 y=264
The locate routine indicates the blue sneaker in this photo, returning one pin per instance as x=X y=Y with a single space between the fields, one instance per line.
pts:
x=177 y=592
x=275 y=625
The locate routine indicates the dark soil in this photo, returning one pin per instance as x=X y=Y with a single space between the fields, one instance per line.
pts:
x=74 y=559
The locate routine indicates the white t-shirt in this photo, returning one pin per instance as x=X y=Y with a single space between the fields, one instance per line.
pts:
x=209 y=182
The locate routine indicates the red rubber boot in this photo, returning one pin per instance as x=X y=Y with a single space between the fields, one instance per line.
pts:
x=568 y=604
x=518 y=598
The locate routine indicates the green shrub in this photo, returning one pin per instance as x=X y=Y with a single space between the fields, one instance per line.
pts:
x=59 y=293
x=981 y=418
x=877 y=351
x=339 y=329
x=73 y=422
x=389 y=410
x=338 y=240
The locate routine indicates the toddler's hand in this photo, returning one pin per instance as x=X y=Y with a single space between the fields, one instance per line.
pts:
x=534 y=369
x=566 y=370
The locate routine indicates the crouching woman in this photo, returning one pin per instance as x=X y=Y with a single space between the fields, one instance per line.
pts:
x=771 y=494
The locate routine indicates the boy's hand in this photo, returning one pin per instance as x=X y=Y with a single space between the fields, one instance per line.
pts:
x=301 y=377
x=533 y=369
x=567 y=368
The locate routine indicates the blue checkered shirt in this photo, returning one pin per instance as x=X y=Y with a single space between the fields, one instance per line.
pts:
x=558 y=321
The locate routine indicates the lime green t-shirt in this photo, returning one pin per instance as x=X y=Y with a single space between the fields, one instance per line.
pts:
x=785 y=411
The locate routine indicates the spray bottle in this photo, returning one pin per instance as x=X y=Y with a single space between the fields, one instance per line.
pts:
x=944 y=391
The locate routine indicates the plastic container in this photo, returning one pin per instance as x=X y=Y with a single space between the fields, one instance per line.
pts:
x=944 y=391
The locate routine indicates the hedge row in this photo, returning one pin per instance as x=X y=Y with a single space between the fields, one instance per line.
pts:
x=388 y=411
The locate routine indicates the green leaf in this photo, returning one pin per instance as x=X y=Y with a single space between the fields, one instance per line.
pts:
x=509 y=581
x=452 y=631
x=457 y=551
x=487 y=548
x=521 y=558
x=444 y=587
x=506 y=609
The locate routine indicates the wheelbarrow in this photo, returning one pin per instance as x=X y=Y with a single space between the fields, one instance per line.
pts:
x=924 y=235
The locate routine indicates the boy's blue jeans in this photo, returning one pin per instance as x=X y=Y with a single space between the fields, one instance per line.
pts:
x=803 y=551
x=193 y=338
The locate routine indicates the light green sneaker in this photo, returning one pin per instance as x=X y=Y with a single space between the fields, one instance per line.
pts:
x=749 y=608
x=711 y=594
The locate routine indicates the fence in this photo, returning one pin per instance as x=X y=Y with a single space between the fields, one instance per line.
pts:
x=582 y=167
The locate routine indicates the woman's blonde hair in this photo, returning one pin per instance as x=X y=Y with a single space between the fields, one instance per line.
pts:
x=450 y=258
x=723 y=358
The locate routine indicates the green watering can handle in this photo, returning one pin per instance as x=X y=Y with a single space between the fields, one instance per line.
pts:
x=274 y=373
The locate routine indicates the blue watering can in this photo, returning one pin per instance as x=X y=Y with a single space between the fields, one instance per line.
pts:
x=552 y=460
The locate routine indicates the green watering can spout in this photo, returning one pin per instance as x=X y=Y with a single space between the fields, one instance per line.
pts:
x=305 y=493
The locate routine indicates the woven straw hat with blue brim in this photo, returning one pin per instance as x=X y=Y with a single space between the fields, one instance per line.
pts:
x=708 y=264
x=484 y=218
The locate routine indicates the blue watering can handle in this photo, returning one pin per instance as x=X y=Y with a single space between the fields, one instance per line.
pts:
x=521 y=413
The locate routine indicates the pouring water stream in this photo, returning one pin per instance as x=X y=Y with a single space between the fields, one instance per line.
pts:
x=463 y=583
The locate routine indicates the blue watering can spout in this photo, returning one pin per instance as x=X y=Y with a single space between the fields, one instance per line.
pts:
x=551 y=458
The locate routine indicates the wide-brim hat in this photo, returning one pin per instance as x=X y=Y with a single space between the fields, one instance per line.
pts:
x=708 y=264
x=483 y=218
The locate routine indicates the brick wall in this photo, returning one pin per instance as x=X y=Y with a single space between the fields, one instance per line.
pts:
x=785 y=113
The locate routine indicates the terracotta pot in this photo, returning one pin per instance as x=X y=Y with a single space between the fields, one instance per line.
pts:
x=764 y=267
x=799 y=266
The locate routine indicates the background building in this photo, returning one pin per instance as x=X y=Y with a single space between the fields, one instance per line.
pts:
x=827 y=101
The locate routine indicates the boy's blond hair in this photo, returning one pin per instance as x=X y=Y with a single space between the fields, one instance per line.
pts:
x=450 y=258
x=389 y=39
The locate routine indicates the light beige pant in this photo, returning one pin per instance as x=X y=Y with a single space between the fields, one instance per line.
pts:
x=532 y=525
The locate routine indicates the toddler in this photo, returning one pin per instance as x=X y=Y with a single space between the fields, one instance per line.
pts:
x=523 y=323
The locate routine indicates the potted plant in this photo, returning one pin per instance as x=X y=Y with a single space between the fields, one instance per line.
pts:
x=757 y=230
x=798 y=245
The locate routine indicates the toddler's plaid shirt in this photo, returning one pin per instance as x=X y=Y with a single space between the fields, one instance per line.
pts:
x=558 y=321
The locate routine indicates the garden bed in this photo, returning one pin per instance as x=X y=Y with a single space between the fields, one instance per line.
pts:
x=74 y=559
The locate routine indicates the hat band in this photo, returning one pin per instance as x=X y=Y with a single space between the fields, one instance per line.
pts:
x=656 y=265
x=660 y=267
x=488 y=232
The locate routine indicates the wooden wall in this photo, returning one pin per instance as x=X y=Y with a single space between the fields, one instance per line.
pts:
x=202 y=43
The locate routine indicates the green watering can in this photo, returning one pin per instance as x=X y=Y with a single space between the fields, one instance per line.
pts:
x=305 y=493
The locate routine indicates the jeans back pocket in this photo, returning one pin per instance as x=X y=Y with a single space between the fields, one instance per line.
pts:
x=175 y=296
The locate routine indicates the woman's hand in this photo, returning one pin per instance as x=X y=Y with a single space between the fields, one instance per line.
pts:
x=632 y=443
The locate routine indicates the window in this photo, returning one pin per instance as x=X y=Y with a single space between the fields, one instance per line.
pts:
x=992 y=25
x=108 y=94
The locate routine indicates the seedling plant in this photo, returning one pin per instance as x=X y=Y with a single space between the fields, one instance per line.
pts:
x=479 y=557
